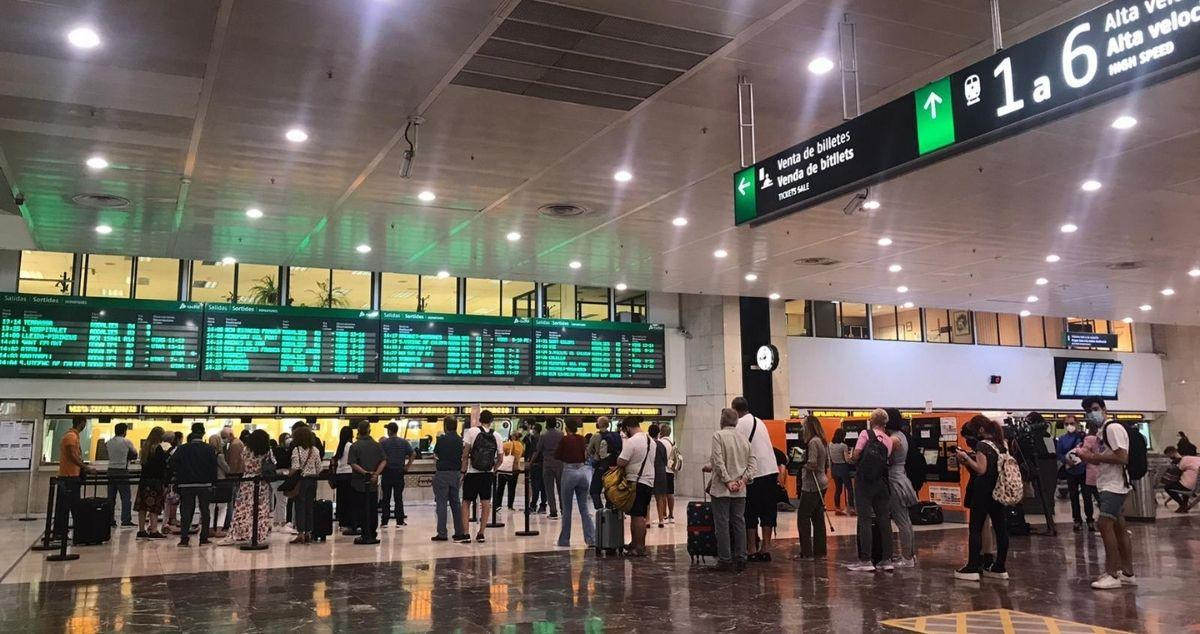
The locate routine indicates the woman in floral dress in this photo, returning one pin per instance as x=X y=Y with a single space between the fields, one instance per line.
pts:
x=258 y=450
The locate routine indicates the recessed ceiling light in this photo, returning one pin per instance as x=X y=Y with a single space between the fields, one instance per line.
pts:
x=680 y=221
x=773 y=296
x=363 y=248
x=1128 y=320
x=103 y=229
x=720 y=253
x=254 y=213
x=1031 y=299
x=296 y=135
x=751 y=277
x=820 y=65
x=1195 y=272
x=1090 y=185
x=1168 y=291
x=427 y=196
x=97 y=162
x=901 y=289
x=575 y=264
x=1041 y=281
x=1068 y=228
x=1025 y=313
x=621 y=286
x=908 y=305
x=441 y=275
x=1124 y=122
x=1145 y=307
x=871 y=205
x=884 y=242
x=83 y=37
x=895 y=268
x=513 y=236
x=622 y=176
x=229 y=259
x=1052 y=258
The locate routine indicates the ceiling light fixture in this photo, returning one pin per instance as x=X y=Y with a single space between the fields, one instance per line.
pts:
x=884 y=242
x=1145 y=307
x=575 y=264
x=1167 y=292
x=1195 y=272
x=441 y=275
x=907 y=305
x=820 y=65
x=1025 y=313
x=1052 y=258
x=363 y=248
x=895 y=268
x=296 y=135
x=97 y=162
x=1068 y=228
x=254 y=213
x=513 y=236
x=229 y=259
x=427 y=196
x=901 y=289
x=621 y=286
x=1041 y=281
x=1090 y=185
x=871 y=205
x=103 y=229
x=1128 y=320
x=680 y=221
x=622 y=176
x=720 y=253
x=1031 y=299
x=83 y=37
x=773 y=296
x=1124 y=122
x=751 y=277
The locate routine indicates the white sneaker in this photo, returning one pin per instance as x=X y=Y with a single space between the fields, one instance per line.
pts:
x=885 y=566
x=1106 y=582
x=905 y=563
x=862 y=566
x=966 y=575
x=992 y=574
x=1126 y=580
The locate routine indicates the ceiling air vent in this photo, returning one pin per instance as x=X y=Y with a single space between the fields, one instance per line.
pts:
x=1128 y=265
x=100 y=201
x=816 y=262
x=563 y=210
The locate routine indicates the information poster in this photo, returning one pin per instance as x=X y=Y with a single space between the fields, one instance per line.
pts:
x=436 y=348
x=277 y=343
x=945 y=495
x=16 y=445
x=51 y=336
x=598 y=353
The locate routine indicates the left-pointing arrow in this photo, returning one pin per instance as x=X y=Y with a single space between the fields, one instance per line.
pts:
x=742 y=185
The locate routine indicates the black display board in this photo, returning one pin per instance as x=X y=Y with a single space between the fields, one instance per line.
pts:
x=437 y=348
x=598 y=353
x=50 y=336
x=276 y=343
x=1078 y=378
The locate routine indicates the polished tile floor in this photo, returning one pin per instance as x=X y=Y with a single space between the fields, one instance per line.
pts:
x=507 y=586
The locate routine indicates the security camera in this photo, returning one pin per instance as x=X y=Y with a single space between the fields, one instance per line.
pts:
x=19 y=199
x=855 y=203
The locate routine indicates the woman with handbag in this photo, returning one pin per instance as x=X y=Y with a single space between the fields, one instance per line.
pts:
x=256 y=455
x=301 y=484
x=903 y=494
x=341 y=479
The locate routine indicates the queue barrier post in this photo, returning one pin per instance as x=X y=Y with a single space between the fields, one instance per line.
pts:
x=47 y=532
x=527 y=532
x=62 y=554
x=254 y=543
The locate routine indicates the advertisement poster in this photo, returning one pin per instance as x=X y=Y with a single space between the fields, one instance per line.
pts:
x=945 y=495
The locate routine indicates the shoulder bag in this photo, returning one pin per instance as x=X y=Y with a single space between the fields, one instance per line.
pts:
x=621 y=491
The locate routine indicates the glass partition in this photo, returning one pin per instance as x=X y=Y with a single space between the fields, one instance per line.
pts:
x=797 y=317
x=400 y=292
x=213 y=282
x=438 y=294
x=559 y=301
x=483 y=296
x=157 y=278
x=631 y=305
x=1124 y=333
x=46 y=273
x=312 y=287
x=987 y=329
x=354 y=288
x=1054 y=328
x=948 y=325
x=518 y=299
x=591 y=303
x=883 y=322
x=854 y=320
x=908 y=321
x=107 y=275
x=258 y=284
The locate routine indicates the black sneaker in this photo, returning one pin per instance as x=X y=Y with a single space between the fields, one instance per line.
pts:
x=1091 y=526
x=479 y=538
x=183 y=543
x=439 y=538
x=967 y=573
x=204 y=542
x=143 y=535
x=1078 y=526
x=462 y=539
x=128 y=524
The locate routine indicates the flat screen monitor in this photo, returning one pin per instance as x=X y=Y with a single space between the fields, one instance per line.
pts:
x=1077 y=378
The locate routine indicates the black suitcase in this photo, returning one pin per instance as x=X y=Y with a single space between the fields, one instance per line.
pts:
x=701 y=531
x=1014 y=516
x=322 y=519
x=91 y=519
x=925 y=513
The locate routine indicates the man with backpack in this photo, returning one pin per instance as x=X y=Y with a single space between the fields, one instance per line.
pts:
x=872 y=496
x=481 y=454
x=1121 y=461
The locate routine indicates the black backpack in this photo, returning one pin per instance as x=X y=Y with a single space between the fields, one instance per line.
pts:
x=915 y=465
x=1138 y=464
x=873 y=462
x=483 y=451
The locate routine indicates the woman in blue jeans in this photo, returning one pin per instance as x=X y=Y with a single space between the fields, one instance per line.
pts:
x=576 y=479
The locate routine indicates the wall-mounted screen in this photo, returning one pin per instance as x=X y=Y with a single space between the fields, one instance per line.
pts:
x=436 y=348
x=1077 y=378
x=589 y=353
x=50 y=336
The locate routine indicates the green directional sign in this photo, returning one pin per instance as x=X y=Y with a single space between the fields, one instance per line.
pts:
x=745 y=206
x=935 y=116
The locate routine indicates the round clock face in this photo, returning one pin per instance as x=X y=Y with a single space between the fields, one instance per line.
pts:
x=767 y=358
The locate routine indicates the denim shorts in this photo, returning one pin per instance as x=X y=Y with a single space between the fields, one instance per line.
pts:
x=1111 y=504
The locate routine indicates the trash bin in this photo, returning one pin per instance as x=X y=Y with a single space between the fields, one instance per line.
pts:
x=1141 y=505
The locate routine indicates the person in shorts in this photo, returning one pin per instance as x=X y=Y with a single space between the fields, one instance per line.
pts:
x=478 y=484
x=763 y=491
x=1113 y=486
x=637 y=456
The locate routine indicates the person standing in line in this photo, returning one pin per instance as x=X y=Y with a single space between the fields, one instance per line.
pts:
x=872 y=492
x=1113 y=485
x=576 y=481
x=551 y=467
x=171 y=505
x=1091 y=442
x=305 y=459
x=255 y=451
x=345 y=502
x=120 y=454
x=637 y=461
x=480 y=455
x=152 y=489
x=607 y=446
x=533 y=471
x=903 y=494
x=506 y=473
x=986 y=440
x=71 y=468
x=194 y=466
x=660 y=474
x=1074 y=471
x=400 y=456
x=763 y=492
x=674 y=464
x=281 y=453
x=223 y=490
x=840 y=468
x=234 y=450
x=732 y=464
x=810 y=511
x=447 y=480
x=368 y=462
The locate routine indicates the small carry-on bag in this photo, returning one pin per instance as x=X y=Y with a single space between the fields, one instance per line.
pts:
x=610 y=531
x=92 y=519
x=925 y=513
x=322 y=519
x=701 y=529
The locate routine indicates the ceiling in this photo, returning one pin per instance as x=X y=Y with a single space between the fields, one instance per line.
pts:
x=528 y=103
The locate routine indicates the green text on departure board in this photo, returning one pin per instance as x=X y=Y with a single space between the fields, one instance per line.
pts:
x=420 y=347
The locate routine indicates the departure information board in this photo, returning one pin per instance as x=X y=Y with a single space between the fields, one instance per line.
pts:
x=436 y=348
x=1079 y=378
x=51 y=336
x=277 y=343
x=1118 y=47
x=596 y=353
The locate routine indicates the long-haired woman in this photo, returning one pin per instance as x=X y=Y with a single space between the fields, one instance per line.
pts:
x=152 y=490
x=986 y=439
x=810 y=514
x=345 y=500
x=840 y=469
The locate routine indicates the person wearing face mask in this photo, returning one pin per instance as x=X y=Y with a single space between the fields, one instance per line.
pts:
x=1074 y=471
x=1113 y=485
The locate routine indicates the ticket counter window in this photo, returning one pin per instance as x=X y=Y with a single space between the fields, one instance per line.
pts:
x=947 y=325
x=797 y=311
x=213 y=282
x=46 y=273
x=107 y=276
x=559 y=301
x=157 y=278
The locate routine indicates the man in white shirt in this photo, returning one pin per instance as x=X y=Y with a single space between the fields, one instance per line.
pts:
x=120 y=452
x=664 y=437
x=479 y=474
x=1112 y=484
x=762 y=493
x=637 y=459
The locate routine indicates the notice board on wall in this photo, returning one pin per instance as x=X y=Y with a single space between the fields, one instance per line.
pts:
x=16 y=445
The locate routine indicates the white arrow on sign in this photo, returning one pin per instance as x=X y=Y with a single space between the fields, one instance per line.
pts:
x=931 y=103
x=742 y=185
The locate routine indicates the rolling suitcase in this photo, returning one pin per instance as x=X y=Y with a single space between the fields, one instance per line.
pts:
x=322 y=519
x=91 y=518
x=701 y=529
x=610 y=532
x=925 y=513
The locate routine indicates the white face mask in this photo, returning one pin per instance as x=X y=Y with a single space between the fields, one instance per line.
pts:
x=1071 y=429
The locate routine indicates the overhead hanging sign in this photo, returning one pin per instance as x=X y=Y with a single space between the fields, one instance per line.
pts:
x=1077 y=340
x=1104 y=53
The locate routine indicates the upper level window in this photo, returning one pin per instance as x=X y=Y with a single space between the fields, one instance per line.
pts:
x=483 y=296
x=884 y=322
x=559 y=301
x=948 y=325
x=631 y=305
x=309 y=286
x=1033 y=332
x=399 y=291
x=213 y=282
x=518 y=299
x=157 y=278
x=438 y=294
x=591 y=303
x=354 y=288
x=46 y=273
x=797 y=317
x=107 y=275
x=257 y=284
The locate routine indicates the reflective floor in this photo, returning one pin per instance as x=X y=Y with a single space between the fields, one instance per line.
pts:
x=498 y=589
